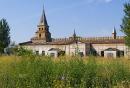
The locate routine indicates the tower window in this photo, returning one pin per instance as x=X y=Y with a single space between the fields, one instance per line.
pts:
x=39 y=35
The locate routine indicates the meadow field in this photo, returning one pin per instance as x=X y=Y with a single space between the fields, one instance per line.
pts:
x=63 y=72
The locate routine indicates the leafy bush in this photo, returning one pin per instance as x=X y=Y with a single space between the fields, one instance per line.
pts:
x=20 y=51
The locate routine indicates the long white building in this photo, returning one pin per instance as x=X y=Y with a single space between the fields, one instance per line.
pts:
x=42 y=43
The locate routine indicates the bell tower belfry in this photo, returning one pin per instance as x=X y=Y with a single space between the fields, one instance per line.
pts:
x=42 y=35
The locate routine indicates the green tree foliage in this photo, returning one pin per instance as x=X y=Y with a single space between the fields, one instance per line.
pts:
x=4 y=35
x=125 y=27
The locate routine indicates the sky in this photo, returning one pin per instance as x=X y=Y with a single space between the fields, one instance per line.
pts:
x=90 y=18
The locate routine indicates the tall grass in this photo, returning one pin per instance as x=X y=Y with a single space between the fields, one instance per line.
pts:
x=63 y=72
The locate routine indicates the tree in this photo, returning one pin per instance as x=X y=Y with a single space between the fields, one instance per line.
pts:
x=4 y=35
x=125 y=27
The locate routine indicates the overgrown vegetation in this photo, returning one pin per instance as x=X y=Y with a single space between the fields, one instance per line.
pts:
x=63 y=72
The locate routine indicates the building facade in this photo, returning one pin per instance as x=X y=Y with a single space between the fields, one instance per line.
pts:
x=42 y=43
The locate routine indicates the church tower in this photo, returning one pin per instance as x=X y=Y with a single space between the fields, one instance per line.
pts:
x=42 y=35
x=74 y=35
x=114 y=33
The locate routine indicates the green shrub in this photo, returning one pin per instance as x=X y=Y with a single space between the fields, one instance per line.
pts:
x=20 y=51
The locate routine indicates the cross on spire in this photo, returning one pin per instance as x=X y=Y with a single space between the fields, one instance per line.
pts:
x=43 y=20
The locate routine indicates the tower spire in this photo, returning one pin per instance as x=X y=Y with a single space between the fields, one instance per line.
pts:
x=42 y=35
x=114 y=33
x=74 y=35
x=43 y=20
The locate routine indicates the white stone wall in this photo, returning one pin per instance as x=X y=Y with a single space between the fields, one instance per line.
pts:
x=45 y=48
x=54 y=52
x=127 y=52
x=102 y=47
x=108 y=52
x=70 y=49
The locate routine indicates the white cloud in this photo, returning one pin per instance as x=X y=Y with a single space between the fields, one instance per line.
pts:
x=108 y=1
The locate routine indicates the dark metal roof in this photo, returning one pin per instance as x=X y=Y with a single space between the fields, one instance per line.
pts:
x=43 y=20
